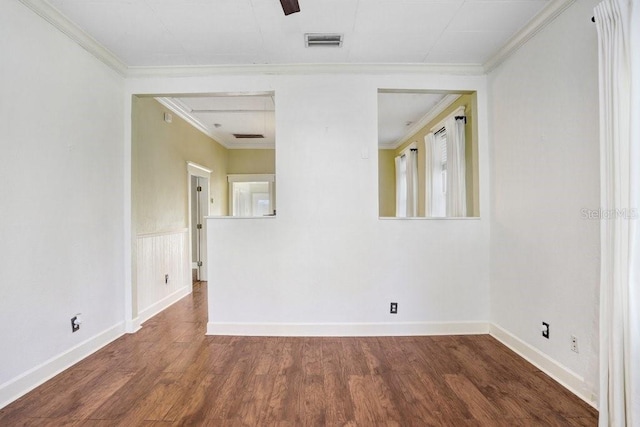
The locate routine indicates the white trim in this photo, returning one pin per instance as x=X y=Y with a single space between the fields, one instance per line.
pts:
x=563 y=375
x=164 y=303
x=301 y=69
x=198 y=170
x=22 y=384
x=185 y=114
x=163 y=233
x=430 y=218
x=541 y=20
x=240 y=217
x=133 y=326
x=130 y=231
x=442 y=105
x=457 y=112
x=251 y=177
x=75 y=33
x=348 y=329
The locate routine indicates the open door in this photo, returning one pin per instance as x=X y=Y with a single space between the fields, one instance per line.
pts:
x=199 y=210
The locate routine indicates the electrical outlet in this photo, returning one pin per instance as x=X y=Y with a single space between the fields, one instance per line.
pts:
x=394 y=308
x=75 y=323
x=545 y=330
x=574 y=343
x=166 y=279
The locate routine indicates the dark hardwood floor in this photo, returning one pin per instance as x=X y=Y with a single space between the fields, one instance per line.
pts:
x=170 y=373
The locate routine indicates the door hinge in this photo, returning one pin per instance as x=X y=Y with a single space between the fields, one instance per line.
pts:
x=199 y=226
x=198 y=188
x=199 y=263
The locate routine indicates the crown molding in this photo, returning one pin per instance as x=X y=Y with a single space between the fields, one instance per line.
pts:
x=550 y=12
x=431 y=114
x=184 y=113
x=297 y=69
x=75 y=33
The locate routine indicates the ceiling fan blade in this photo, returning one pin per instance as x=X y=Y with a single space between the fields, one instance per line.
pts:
x=290 y=6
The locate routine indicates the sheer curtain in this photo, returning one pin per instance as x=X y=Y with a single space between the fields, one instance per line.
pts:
x=401 y=186
x=407 y=183
x=412 y=182
x=620 y=237
x=429 y=169
x=456 y=172
x=634 y=306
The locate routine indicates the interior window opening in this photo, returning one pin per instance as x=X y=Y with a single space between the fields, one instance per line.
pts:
x=428 y=154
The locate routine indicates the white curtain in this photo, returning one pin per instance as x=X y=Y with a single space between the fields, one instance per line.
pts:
x=407 y=184
x=412 y=182
x=401 y=186
x=456 y=172
x=429 y=169
x=634 y=274
x=619 y=231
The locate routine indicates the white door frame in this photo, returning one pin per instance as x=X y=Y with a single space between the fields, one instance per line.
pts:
x=194 y=169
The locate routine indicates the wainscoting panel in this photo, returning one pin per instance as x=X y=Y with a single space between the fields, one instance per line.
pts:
x=163 y=271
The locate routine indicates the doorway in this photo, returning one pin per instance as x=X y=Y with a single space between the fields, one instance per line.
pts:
x=198 y=211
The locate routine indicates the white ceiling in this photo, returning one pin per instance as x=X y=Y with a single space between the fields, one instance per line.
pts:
x=214 y=32
x=223 y=115
x=400 y=115
x=173 y=33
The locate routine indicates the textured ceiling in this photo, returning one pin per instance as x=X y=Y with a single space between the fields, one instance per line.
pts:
x=214 y=32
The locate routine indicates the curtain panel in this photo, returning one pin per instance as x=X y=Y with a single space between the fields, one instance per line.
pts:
x=618 y=49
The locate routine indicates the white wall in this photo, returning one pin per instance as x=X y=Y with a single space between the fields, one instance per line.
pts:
x=326 y=264
x=327 y=258
x=545 y=169
x=163 y=271
x=61 y=200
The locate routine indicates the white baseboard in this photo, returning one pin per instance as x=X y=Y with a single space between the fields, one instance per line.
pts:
x=132 y=326
x=347 y=329
x=22 y=384
x=157 y=307
x=567 y=378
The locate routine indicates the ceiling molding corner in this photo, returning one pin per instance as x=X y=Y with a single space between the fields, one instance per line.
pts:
x=184 y=113
x=50 y=14
x=442 y=105
x=541 y=20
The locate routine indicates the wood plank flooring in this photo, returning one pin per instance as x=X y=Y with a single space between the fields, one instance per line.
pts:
x=170 y=373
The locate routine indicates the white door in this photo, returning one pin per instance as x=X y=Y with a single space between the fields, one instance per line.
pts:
x=198 y=211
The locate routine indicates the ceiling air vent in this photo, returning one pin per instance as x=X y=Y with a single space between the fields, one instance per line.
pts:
x=322 y=40
x=248 y=135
